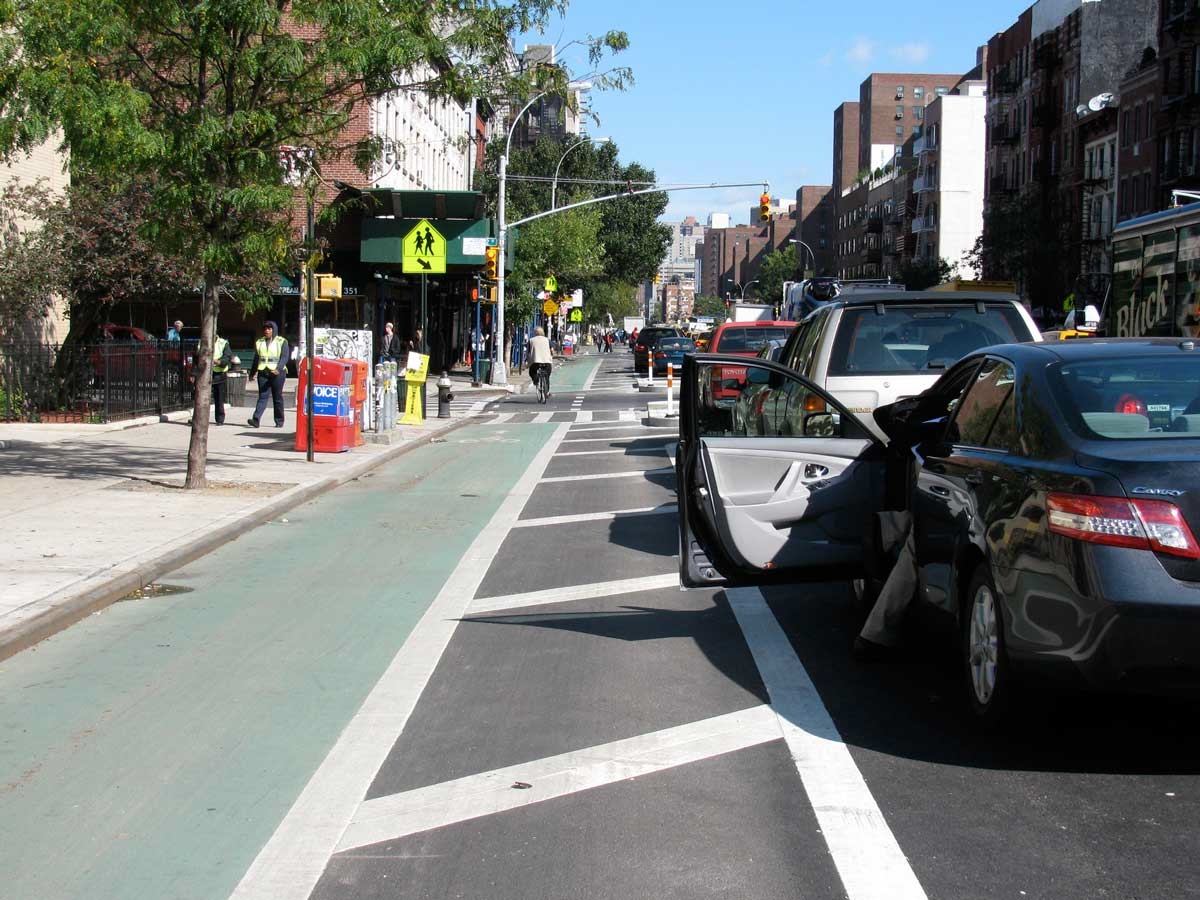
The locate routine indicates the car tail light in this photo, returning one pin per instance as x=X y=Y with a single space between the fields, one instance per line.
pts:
x=1141 y=524
x=1131 y=404
x=660 y=355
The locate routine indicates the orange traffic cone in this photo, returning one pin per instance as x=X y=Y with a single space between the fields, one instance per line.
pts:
x=468 y=359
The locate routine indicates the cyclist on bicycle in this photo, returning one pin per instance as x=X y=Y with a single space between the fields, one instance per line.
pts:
x=540 y=359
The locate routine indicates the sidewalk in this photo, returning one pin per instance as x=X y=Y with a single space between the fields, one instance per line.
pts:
x=94 y=512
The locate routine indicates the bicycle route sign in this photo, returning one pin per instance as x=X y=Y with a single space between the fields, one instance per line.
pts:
x=424 y=250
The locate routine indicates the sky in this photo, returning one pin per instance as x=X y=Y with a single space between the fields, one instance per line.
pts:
x=739 y=92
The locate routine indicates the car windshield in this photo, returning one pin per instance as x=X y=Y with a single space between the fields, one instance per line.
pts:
x=907 y=339
x=1131 y=398
x=753 y=339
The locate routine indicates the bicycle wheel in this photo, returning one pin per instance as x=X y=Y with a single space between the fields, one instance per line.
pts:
x=543 y=389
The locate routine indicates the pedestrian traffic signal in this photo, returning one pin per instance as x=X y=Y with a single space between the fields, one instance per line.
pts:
x=764 y=208
x=491 y=263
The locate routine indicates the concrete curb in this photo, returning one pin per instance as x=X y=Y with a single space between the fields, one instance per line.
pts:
x=74 y=604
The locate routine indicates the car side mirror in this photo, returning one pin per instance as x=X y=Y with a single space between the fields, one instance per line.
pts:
x=819 y=425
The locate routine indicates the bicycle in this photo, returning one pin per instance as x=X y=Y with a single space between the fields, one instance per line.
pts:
x=543 y=385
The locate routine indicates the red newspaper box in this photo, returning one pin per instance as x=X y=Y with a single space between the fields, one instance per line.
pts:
x=333 y=414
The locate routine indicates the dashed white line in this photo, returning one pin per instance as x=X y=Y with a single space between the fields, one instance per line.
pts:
x=589 y=452
x=864 y=850
x=575 y=592
x=398 y=815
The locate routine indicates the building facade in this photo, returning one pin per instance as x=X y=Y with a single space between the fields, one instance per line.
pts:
x=814 y=226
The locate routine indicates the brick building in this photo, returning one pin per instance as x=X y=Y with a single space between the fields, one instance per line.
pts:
x=1177 y=123
x=814 y=226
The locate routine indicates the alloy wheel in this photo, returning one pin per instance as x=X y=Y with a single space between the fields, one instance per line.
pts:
x=983 y=645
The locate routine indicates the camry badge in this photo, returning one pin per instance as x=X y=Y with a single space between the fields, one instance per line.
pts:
x=1159 y=492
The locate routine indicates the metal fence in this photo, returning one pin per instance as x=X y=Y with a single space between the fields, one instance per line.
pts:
x=94 y=382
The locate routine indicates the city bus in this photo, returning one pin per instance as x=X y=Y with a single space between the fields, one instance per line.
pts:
x=1156 y=271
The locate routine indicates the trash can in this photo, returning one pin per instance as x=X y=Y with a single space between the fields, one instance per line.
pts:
x=485 y=370
x=235 y=388
x=333 y=413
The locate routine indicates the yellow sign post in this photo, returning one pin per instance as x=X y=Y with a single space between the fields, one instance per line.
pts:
x=424 y=251
x=550 y=308
x=415 y=373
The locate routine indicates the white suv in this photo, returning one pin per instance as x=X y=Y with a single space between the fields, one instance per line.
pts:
x=872 y=349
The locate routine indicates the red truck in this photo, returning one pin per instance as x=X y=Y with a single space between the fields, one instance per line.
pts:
x=740 y=339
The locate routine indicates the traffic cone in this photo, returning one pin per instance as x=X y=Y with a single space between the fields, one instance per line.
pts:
x=468 y=359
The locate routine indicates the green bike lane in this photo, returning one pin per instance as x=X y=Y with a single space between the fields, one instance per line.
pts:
x=153 y=749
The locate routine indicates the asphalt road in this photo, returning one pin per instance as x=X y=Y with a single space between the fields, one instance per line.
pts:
x=473 y=675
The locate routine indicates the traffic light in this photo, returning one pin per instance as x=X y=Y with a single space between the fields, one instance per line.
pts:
x=329 y=287
x=764 y=208
x=491 y=263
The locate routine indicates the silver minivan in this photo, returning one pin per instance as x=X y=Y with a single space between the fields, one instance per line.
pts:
x=872 y=349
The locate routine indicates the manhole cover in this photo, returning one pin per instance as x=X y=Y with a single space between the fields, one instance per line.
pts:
x=156 y=590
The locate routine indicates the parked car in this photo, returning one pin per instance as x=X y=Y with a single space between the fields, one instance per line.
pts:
x=672 y=350
x=741 y=339
x=1054 y=510
x=647 y=339
x=872 y=349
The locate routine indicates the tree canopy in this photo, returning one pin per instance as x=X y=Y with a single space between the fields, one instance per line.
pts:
x=197 y=99
x=778 y=266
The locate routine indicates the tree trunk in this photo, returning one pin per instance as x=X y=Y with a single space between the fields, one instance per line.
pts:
x=202 y=368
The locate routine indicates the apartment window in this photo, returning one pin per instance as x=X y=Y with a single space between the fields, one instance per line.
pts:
x=942 y=92
x=899 y=131
x=918 y=113
x=1125 y=128
x=1137 y=124
x=916 y=131
x=899 y=112
x=918 y=93
x=1146 y=191
x=899 y=92
x=899 y=149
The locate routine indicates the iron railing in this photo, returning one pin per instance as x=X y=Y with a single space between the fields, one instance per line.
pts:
x=94 y=382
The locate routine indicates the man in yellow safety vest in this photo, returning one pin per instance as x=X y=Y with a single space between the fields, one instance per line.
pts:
x=222 y=359
x=270 y=366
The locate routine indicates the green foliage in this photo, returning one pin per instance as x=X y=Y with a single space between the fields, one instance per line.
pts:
x=919 y=276
x=604 y=298
x=32 y=261
x=1022 y=241
x=565 y=246
x=706 y=305
x=778 y=266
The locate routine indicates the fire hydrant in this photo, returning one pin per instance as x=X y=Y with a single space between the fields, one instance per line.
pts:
x=444 y=396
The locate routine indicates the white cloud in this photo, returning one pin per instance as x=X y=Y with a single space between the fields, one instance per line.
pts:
x=911 y=53
x=861 y=51
x=827 y=60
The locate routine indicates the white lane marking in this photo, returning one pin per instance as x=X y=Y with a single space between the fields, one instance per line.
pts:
x=868 y=858
x=624 y=441
x=292 y=861
x=668 y=449
x=580 y=452
x=576 y=592
x=541 y=418
x=663 y=510
x=624 y=415
x=616 y=426
x=584 y=415
x=399 y=815
x=597 y=477
x=587 y=384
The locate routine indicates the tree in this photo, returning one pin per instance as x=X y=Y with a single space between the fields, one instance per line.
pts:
x=919 y=275
x=198 y=98
x=706 y=305
x=32 y=258
x=778 y=266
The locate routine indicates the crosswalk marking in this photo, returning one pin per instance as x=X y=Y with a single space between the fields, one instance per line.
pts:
x=574 y=592
x=597 y=517
x=597 y=477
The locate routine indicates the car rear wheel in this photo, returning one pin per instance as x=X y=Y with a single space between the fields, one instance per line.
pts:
x=987 y=679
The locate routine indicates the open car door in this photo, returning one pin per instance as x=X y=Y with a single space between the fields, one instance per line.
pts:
x=777 y=481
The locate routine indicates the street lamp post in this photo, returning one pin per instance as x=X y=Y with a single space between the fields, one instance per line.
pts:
x=500 y=369
x=558 y=168
x=812 y=255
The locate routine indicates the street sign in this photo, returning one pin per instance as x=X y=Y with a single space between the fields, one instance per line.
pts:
x=550 y=308
x=424 y=250
x=551 y=283
x=576 y=315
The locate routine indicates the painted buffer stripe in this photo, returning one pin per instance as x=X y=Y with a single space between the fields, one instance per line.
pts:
x=576 y=592
x=399 y=815
x=868 y=858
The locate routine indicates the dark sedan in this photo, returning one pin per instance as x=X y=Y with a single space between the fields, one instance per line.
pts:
x=672 y=350
x=647 y=341
x=1057 y=493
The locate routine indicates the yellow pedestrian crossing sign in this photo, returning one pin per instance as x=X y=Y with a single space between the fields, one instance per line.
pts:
x=424 y=251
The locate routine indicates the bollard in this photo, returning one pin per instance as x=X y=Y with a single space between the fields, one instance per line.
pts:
x=444 y=396
x=670 y=386
x=650 y=365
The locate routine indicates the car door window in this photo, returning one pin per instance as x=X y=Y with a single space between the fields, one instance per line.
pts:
x=752 y=400
x=804 y=349
x=985 y=408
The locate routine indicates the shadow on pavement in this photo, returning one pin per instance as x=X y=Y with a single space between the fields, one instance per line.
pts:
x=658 y=535
x=916 y=708
x=93 y=463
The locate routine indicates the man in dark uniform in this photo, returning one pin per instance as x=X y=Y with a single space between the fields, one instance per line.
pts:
x=271 y=354
x=222 y=359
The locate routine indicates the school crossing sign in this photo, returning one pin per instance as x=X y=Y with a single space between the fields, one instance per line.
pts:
x=424 y=251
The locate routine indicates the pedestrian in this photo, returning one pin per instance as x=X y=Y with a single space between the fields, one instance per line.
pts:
x=222 y=360
x=633 y=336
x=609 y=340
x=270 y=367
x=416 y=342
x=389 y=345
x=175 y=332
